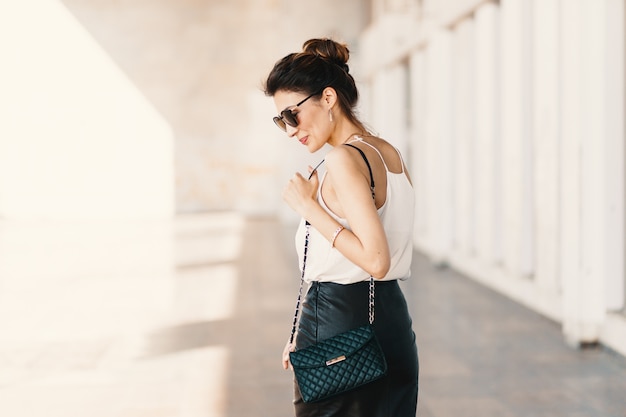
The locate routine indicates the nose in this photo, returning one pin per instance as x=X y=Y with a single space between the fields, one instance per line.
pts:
x=291 y=131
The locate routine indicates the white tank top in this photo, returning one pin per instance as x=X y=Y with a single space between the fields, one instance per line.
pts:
x=326 y=264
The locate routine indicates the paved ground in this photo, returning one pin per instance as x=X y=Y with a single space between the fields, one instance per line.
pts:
x=147 y=321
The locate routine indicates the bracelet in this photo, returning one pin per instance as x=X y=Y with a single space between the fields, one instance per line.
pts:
x=332 y=239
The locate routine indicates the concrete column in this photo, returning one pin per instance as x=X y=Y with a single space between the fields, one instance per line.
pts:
x=378 y=102
x=487 y=109
x=546 y=141
x=583 y=187
x=441 y=168
x=463 y=136
x=418 y=149
x=515 y=136
x=394 y=122
x=615 y=175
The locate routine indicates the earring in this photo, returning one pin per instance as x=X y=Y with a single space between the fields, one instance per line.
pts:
x=330 y=115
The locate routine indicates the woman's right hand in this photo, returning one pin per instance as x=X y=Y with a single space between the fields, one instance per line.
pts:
x=300 y=192
x=289 y=347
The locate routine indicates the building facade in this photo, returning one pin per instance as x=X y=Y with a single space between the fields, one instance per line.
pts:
x=512 y=112
x=145 y=109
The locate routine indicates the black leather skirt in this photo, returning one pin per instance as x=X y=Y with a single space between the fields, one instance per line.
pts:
x=329 y=309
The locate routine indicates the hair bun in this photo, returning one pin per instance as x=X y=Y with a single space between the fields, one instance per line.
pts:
x=328 y=49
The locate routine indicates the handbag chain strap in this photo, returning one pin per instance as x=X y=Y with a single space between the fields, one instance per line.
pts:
x=299 y=301
x=306 y=249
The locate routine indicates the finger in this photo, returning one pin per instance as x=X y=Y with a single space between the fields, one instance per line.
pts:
x=286 y=362
x=313 y=177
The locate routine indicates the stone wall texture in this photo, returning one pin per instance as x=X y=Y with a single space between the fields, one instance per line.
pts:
x=201 y=64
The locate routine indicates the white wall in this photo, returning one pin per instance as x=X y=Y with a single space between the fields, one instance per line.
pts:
x=517 y=144
x=77 y=139
x=488 y=140
x=516 y=158
x=202 y=65
x=463 y=136
x=545 y=140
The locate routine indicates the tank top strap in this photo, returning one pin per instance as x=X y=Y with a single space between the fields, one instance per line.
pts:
x=360 y=139
x=368 y=167
x=401 y=159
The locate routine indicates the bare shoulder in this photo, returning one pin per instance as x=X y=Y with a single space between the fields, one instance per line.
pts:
x=338 y=156
x=343 y=163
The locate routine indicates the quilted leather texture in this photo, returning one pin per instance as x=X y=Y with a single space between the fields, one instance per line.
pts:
x=338 y=364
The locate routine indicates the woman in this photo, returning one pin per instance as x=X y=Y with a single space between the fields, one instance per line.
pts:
x=361 y=225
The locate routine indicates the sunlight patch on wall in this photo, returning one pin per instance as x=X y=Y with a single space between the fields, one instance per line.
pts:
x=77 y=139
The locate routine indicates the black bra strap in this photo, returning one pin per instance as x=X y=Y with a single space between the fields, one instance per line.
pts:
x=368 y=167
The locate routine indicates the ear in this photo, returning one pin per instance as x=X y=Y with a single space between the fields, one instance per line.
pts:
x=329 y=97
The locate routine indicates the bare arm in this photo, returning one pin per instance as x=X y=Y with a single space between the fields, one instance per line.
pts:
x=366 y=244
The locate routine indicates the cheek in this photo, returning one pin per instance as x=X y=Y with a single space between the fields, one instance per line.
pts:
x=321 y=126
x=320 y=135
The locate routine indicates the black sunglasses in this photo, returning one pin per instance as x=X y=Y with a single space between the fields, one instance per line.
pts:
x=287 y=117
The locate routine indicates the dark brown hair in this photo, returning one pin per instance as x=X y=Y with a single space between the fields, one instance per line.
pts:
x=322 y=63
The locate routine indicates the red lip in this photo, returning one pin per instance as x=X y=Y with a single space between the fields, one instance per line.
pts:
x=303 y=140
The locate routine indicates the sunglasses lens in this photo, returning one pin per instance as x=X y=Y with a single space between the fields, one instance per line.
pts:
x=280 y=123
x=289 y=118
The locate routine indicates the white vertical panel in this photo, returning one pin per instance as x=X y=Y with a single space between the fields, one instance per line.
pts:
x=396 y=92
x=364 y=108
x=418 y=148
x=594 y=151
x=429 y=149
x=515 y=134
x=462 y=132
x=389 y=98
x=614 y=167
x=439 y=143
x=436 y=147
x=571 y=112
x=545 y=138
x=378 y=102
x=582 y=188
x=487 y=114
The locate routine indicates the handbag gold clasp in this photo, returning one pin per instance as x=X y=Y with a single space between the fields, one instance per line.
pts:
x=335 y=360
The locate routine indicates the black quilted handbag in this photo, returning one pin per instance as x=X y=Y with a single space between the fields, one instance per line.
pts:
x=340 y=363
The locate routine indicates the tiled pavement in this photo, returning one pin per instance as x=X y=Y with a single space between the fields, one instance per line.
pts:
x=484 y=355
x=140 y=320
